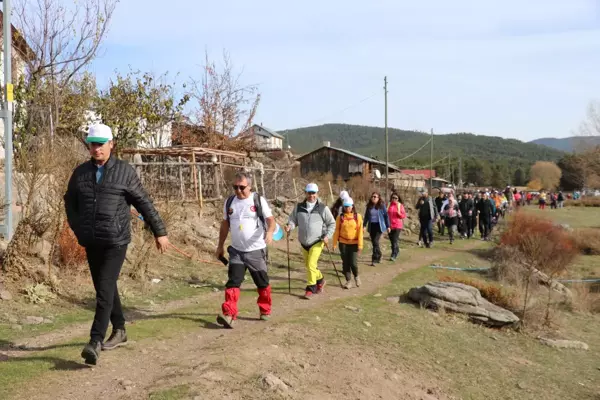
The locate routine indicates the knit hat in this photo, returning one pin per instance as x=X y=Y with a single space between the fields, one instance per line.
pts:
x=348 y=202
x=312 y=187
x=344 y=195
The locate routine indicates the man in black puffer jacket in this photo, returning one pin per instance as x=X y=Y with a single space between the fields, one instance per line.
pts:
x=98 y=205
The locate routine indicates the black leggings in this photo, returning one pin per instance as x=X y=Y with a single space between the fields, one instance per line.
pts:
x=395 y=239
x=349 y=253
x=375 y=233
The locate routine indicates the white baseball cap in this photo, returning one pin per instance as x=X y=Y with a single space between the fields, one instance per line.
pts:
x=312 y=187
x=99 y=133
x=344 y=195
x=348 y=202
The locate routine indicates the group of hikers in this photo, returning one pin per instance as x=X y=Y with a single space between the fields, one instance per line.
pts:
x=102 y=190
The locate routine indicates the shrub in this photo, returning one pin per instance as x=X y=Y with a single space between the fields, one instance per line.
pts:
x=584 y=202
x=71 y=253
x=538 y=244
x=489 y=291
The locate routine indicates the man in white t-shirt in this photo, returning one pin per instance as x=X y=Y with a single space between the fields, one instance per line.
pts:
x=242 y=217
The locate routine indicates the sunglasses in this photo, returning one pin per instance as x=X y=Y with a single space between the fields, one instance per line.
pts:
x=239 y=187
x=374 y=197
x=394 y=198
x=311 y=193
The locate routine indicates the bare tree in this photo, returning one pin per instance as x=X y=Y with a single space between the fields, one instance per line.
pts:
x=591 y=125
x=225 y=106
x=61 y=41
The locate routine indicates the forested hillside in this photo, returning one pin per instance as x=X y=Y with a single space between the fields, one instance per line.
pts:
x=569 y=144
x=486 y=160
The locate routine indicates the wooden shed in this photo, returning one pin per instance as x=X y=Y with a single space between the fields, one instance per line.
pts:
x=341 y=163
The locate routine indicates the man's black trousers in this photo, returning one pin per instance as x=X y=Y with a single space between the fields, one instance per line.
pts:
x=105 y=266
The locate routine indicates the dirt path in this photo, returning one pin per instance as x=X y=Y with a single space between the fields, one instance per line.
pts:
x=222 y=361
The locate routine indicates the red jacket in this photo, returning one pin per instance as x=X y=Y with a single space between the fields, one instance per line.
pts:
x=397 y=215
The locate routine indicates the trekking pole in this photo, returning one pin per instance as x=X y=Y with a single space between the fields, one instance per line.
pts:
x=288 y=259
x=332 y=262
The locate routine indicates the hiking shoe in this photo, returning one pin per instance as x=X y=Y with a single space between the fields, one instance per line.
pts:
x=320 y=287
x=308 y=295
x=357 y=281
x=372 y=264
x=420 y=243
x=348 y=285
x=392 y=259
x=226 y=321
x=91 y=352
x=117 y=338
x=264 y=317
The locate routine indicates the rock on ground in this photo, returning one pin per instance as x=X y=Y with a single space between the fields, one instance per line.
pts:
x=564 y=344
x=5 y=295
x=464 y=299
x=30 y=320
x=274 y=383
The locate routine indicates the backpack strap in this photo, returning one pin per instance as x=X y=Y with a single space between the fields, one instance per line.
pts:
x=228 y=205
x=259 y=212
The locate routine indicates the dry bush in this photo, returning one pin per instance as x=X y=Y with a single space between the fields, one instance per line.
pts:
x=538 y=244
x=70 y=252
x=587 y=201
x=360 y=188
x=584 y=299
x=492 y=292
x=139 y=256
x=587 y=240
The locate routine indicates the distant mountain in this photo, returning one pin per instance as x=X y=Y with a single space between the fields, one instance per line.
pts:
x=369 y=141
x=569 y=144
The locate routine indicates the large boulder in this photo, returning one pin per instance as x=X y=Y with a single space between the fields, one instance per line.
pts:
x=464 y=299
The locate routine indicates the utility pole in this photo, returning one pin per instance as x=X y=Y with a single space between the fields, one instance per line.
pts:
x=460 y=179
x=387 y=165
x=6 y=114
x=431 y=164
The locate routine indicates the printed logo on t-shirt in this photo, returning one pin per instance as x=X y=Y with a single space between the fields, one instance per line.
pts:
x=253 y=208
x=230 y=211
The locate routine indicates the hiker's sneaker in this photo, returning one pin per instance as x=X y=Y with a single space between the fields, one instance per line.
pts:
x=348 y=285
x=264 y=317
x=320 y=286
x=91 y=352
x=308 y=295
x=225 y=321
x=357 y=281
x=392 y=258
x=420 y=243
x=116 y=339
x=372 y=264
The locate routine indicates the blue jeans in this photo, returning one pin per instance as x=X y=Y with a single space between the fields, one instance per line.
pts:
x=427 y=231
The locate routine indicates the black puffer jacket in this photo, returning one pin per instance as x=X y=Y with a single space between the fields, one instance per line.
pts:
x=100 y=213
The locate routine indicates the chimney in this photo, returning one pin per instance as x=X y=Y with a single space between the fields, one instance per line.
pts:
x=327 y=143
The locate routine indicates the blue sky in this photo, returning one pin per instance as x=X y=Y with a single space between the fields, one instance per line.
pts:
x=523 y=69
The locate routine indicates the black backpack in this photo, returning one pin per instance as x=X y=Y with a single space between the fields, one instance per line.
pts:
x=257 y=205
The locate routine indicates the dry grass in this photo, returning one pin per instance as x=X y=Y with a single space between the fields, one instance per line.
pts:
x=584 y=299
x=494 y=293
x=587 y=240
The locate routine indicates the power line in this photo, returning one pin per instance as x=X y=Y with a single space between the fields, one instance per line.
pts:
x=409 y=156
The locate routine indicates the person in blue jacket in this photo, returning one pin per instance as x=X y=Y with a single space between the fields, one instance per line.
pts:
x=377 y=220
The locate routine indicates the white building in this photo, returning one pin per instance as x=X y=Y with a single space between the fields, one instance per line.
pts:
x=264 y=138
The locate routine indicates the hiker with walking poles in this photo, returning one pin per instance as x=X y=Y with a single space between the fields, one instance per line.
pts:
x=349 y=235
x=377 y=221
x=248 y=217
x=316 y=226
x=98 y=202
